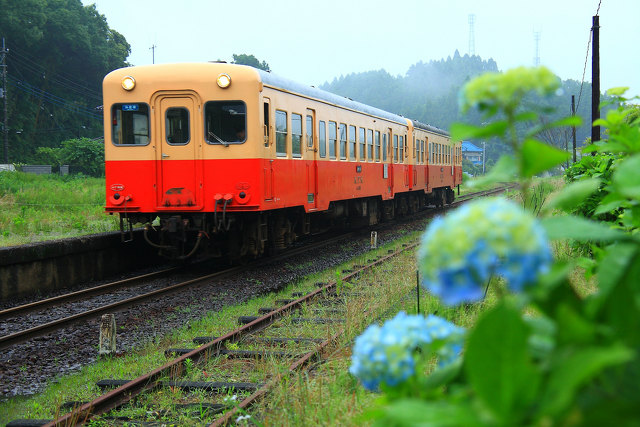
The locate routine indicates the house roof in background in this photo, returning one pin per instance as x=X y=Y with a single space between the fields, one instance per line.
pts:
x=468 y=146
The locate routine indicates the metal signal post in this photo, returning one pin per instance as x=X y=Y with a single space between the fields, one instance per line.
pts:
x=5 y=128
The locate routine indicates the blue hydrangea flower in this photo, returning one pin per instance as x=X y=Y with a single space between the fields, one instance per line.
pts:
x=461 y=251
x=385 y=354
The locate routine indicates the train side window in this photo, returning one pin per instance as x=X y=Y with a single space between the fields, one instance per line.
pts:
x=130 y=124
x=352 y=142
x=309 y=131
x=370 y=145
x=422 y=148
x=414 y=146
x=377 y=150
x=296 y=135
x=267 y=129
x=333 y=138
x=177 y=130
x=322 y=138
x=385 y=147
x=225 y=122
x=401 y=145
x=395 y=149
x=343 y=141
x=363 y=152
x=281 y=133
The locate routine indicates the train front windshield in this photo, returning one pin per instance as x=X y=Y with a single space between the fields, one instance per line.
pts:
x=225 y=122
x=130 y=124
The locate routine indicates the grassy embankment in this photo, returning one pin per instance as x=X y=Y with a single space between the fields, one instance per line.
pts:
x=34 y=208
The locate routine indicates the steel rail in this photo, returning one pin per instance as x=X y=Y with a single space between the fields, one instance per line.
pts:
x=130 y=390
x=40 y=330
x=74 y=296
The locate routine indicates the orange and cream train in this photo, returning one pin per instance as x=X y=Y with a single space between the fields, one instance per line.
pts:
x=234 y=161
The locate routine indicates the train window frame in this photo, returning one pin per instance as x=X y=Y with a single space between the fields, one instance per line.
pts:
x=342 y=132
x=401 y=146
x=385 y=147
x=352 y=142
x=168 y=124
x=362 y=132
x=394 y=153
x=309 y=131
x=296 y=138
x=370 y=145
x=333 y=139
x=119 y=120
x=377 y=146
x=282 y=132
x=228 y=134
x=322 y=138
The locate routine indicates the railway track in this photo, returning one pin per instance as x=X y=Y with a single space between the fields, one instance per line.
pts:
x=217 y=349
x=15 y=314
x=213 y=347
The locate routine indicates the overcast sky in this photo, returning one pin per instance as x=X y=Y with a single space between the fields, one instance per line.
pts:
x=315 y=41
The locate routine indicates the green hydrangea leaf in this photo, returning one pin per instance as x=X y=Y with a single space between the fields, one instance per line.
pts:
x=499 y=366
x=581 y=229
x=574 y=194
x=573 y=370
x=626 y=178
x=538 y=157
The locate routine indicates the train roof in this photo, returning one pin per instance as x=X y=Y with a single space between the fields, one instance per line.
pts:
x=166 y=74
x=313 y=92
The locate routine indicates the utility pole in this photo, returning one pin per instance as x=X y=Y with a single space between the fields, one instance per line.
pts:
x=5 y=128
x=595 y=80
x=536 y=56
x=153 y=53
x=484 y=152
x=573 y=128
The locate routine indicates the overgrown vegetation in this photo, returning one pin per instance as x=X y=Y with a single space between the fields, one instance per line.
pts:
x=46 y=207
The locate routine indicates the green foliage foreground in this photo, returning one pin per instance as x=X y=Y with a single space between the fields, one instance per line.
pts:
x=542 y=355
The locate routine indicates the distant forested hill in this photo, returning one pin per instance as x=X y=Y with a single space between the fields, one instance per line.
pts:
x=428 y=92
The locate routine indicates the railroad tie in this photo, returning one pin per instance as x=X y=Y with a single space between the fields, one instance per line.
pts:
x=214 y=386
x=28 y=423
x=233 y=354
x=265 y=340
x=243 y=320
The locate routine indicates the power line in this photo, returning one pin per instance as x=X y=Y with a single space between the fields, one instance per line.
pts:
x=56 y=100
x=66 y=80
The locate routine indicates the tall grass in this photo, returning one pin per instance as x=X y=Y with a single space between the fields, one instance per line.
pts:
x=43 y=207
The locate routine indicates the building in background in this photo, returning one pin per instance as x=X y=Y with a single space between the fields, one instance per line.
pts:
x=472 y=152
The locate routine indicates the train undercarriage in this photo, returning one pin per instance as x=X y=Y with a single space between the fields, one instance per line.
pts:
x=242 y=235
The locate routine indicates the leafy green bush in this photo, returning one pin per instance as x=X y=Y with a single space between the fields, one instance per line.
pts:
x=84 y=155
x=542 y=355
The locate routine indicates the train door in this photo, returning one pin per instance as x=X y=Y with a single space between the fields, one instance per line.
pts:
x=312 y=165
x=268 y=150
x=389 y=166
x=180 y=170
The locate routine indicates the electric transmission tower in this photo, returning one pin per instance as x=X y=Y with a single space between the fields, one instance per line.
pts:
x=536 y=57
x=472 y=36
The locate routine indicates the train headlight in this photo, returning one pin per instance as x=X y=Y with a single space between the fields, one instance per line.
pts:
x=224 y=80
x=128 y=83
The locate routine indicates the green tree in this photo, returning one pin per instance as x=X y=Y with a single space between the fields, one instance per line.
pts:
x=251 y=61
x=59 y=53
x=84 y=154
